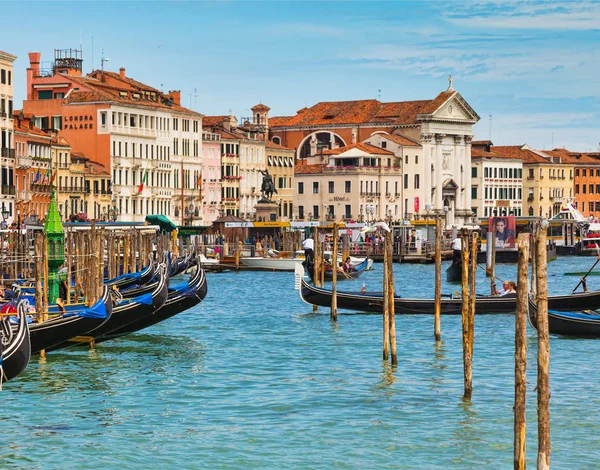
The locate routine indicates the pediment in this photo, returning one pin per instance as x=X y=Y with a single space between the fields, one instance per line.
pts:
x=456 y=108
x=449 y=184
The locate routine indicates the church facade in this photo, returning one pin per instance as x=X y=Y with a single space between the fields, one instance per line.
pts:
x=441 y=128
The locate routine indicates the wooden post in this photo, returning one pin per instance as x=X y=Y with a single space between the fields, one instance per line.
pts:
x=45 y=257
x=316 y=263
x=68 y=249
x=125 y=253
x=39 y=303
x=237 y=253
x=100 y=279
x=467 y=366
x=472 y=298
x=534 y=263
x=493 y=289
x=521 y=352
x=386 y=306
x=389 y=244
x=543 y=376
x=334 y=265
x=438 y=280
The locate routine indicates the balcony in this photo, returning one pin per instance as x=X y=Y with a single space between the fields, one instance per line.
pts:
x=7 y=153
x=23 y=195
x=8 y=190
x=24 y=162
x=40 y=188
x=73 y=189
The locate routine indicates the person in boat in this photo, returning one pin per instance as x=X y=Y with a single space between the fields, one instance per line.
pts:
x=456 y=250
x=341 y=267
x=503 y=290
x=511 y=289
x=309 y=246
x=348 y=265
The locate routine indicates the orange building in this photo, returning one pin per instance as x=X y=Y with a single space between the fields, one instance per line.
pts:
x=136 y=132
x=33 y=159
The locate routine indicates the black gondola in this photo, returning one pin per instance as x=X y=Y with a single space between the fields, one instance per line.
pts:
x=373 y=302
x=355 y=273
x=77 y=320
x=580 y=323
x=15 y=346
x=127 y=280
x=181 y=297
x=132 y=310
x=454 y=271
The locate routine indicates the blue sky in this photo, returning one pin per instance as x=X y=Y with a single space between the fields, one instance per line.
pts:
x=533 y=66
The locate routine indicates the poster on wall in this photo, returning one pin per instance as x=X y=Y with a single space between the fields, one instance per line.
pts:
x=416 y=204
x=504 y=231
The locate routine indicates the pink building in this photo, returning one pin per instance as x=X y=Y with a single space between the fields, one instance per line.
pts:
x=211 y=176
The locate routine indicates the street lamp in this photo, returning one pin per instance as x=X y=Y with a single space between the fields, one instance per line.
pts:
x=370 y=210
x=5 y=213
x=446 y=209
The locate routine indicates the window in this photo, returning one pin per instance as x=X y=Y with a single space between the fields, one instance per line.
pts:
x=584 y=172
x=531 y=173
x=300 y=188
x=301 y=212
x=45 y=95
x=405 y=181
x=406 y=159
x=576 y=172
x=591 y=189
x=330 y=211
x=316 y=212
x=383 y=144
x=348 y=214
x=3 y=76
x=474 y=172
x=315 y=187
x=576 y=189
x=474 y=192
x=416 y=159
x=485 y=172
x=347 y=186
x=417 y=181
x=331 y=187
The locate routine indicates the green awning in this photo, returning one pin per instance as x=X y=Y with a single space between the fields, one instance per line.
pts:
x=162 y=221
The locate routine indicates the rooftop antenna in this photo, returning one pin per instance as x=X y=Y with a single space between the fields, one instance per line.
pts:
x=195 y=98
x=490 y=137
x=378 y=94
x=92 y=53
x=102 y=60
x=161 y=87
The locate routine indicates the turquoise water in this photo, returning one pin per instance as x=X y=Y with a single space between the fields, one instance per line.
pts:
x=252 y=379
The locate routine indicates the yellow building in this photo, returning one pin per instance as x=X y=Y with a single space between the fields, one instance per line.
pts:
x=280 y=164
x=547 y=179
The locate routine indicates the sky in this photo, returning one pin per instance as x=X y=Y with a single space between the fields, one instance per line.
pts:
x=529 y=69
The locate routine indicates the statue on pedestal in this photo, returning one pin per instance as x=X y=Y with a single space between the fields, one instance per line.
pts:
x=268 y=185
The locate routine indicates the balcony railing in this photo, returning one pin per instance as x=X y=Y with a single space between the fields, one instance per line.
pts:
x=73 y=189
x=41 y=188
x=8 y=189
x=7 y=153
x=24 y=162
x=23 y=195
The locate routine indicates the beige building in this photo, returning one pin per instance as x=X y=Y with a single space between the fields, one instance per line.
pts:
x=346 y=184
x=547 y=179
x=496 y=182
x=280 y=163
x=7 y=141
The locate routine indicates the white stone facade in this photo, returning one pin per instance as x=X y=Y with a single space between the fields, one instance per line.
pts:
x=7 y=141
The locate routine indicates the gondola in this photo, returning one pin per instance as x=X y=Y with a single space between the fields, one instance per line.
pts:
x=77 y=320
x=132 y=279
x=454 y=271
x=346 y=275
x=15 y=346
x=373 y=302
x=579 y=323
x=181 y=297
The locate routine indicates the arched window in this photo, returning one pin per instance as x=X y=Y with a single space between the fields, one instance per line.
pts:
x=277 y=140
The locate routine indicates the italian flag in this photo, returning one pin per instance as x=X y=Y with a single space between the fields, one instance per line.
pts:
x=144 y=179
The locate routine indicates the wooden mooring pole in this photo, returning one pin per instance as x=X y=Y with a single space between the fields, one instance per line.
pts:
x=543 y=377
x=521 y=351
x=391 y=305
x=467 y=365
x=316 y=263
x=438 y=280
x=386 y=306
x=334 y=273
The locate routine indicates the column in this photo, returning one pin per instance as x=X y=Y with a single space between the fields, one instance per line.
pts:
x=467 y=160
x=461 y=178
x=427 y=174
x=439 y=177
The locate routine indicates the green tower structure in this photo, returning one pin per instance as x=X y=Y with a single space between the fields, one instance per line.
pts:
x=56 y=248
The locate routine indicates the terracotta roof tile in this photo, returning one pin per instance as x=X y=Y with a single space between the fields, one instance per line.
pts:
x=213 y=120
x=362 y=111
x=401 y=140
x=363 y=146
x=308 y=169
x=518 y=151
x=273 y=145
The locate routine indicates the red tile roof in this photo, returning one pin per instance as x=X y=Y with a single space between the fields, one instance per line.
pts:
x=517 y=151
x=213 y=120
x=308 y=169
x=260 y=107
x=401 y=140
x=273 y=145
x=363 y=146
x=361 y=112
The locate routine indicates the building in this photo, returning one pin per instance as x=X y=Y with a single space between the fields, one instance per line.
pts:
x=496 y=181
x=7 y=140
x=346 y=184
x=547 y=179
x=211 y=176
x=136 y=132
x=32 y=171
x=403 y=197
x=280 y=164
x=442 y=126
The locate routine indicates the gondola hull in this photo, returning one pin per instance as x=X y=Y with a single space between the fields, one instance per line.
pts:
x=178 y=301
x=572 y=323
x=128 y=280
x=373 y=302
x=346 y=275
x=17 y=350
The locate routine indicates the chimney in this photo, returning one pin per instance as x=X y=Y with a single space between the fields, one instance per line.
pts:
x=122 y=72
x=32 y=72
x=176 y=96
x=227 y=123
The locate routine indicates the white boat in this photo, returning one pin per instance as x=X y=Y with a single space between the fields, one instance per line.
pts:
x=272 y=263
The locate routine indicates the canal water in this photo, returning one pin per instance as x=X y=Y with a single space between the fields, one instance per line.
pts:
x=252 y=379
